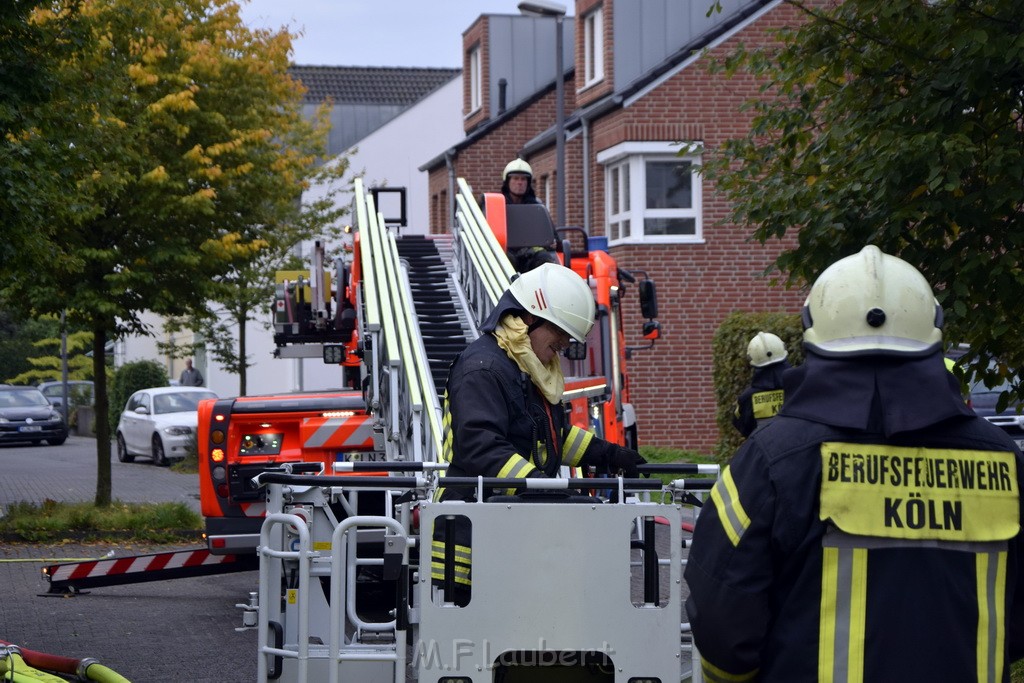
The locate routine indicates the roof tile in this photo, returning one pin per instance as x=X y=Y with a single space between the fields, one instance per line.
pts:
x=370 y=84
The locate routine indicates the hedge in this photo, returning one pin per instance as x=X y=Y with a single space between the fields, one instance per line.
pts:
x=129 y=378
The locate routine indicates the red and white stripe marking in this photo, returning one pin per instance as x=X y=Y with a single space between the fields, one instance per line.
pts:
x=541 y=301
x=336 y=432
x=253 y=509
x=137 y=564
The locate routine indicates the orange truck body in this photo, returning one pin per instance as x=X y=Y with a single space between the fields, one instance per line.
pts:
x=241 y=437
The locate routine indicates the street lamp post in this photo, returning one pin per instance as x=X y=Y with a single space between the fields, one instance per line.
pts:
x=557 y=11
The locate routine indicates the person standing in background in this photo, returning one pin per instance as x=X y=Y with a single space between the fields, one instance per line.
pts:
x=190 y=377
x=762 y=400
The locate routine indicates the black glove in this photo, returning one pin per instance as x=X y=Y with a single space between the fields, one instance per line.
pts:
x=625 y=460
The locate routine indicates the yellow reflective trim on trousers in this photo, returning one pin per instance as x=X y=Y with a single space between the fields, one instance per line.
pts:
x=463 y=562
x=446 y=432
x=727 y=502
x=713 y=674
x=990 y=580
x=843 y=615
x=461 y=574
x=463 y=553
x=575 y=446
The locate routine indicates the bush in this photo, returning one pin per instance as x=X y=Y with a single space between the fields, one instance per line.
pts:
x=731 y=372
x=190 y=463
x=129 y=378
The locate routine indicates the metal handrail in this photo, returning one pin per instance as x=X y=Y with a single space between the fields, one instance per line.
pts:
x=399 y=361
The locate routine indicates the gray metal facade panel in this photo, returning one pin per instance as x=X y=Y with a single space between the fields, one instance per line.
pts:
x=647 y=32
x=350 y=123
x=522 y=51
x=655 y=38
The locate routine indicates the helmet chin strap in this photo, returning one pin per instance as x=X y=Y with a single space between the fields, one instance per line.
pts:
x=537 y=322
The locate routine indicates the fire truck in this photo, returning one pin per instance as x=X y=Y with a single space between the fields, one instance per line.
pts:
x=591 y=592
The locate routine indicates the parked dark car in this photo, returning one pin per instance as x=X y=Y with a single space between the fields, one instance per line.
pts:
x=80 y=393
x=26 y=415
x=984 y=400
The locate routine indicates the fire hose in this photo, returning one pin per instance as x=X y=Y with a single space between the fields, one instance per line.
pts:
x=20 y=665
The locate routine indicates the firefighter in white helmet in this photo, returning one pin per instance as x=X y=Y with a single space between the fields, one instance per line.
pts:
x=517 y=183
x=760 y=402
x=503 y=413
x=872 y=530
x=517 y=187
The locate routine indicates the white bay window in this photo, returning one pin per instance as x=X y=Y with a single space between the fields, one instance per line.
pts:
x=652 y=194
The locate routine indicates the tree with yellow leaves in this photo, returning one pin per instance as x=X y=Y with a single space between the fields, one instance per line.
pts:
x=183 y=138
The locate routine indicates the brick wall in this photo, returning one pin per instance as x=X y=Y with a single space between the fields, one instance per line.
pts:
x=698 y=284
x=605 y=86
x=476 y=36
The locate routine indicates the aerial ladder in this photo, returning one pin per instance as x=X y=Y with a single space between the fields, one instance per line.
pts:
x=620 y=615
x=332 y=491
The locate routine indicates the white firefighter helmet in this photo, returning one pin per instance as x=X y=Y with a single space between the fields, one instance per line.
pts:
x=765 y=349
x=517 y=166
x=557 y=294
x=872 y=303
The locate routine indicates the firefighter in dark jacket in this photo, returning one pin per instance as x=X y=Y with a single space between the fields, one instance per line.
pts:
x=517 y=187
x=871 y=532
x=761 y=401
x=503 y=412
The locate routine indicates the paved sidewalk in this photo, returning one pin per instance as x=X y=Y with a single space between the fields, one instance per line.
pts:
x=67 y=473
x=181 y=630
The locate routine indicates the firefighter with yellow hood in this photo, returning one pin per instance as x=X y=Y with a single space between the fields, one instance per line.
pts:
x=503 y=412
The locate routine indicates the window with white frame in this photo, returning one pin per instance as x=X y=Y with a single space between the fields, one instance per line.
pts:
x=652 y=194
x=593 y=47
x=475 y=80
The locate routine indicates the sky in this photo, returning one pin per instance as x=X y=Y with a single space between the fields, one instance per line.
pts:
x=375 y=32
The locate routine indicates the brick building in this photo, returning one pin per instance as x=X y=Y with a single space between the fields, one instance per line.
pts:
x=636 y=91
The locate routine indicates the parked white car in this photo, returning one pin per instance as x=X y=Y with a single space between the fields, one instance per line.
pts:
x=159 y=423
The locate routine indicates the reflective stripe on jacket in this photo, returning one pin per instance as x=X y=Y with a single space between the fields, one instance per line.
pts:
x=497 y=424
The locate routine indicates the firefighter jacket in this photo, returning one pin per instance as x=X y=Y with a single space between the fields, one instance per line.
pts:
x=762 y=400
x=871 y=532
x=497 y=424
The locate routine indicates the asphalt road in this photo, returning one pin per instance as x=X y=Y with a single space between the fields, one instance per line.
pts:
x=180 y=630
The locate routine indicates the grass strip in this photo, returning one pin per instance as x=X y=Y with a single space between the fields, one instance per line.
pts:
x=53 y=521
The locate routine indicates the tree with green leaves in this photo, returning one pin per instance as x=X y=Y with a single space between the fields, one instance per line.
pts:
x=896 y=124
x=17 y=342
x=187 y=147
x=36 y=173
x=49 y=365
